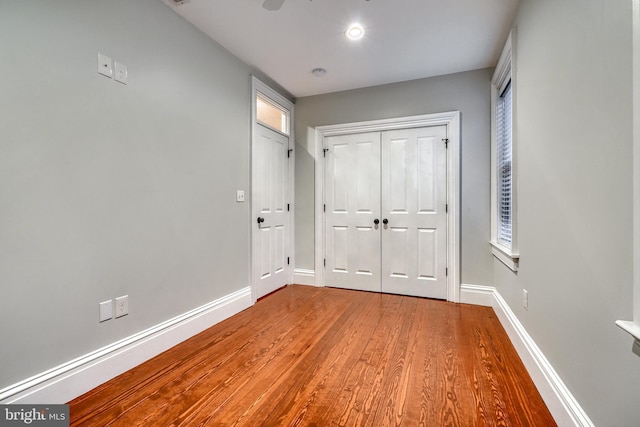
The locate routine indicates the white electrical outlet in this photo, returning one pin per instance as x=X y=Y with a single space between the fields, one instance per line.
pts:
x=240 y=196
x=104 y=65
x=525 y=299
x=122 y=306
x=106 y=310
x=121 y=74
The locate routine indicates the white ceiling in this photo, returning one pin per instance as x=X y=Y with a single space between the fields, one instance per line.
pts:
x=404 y=40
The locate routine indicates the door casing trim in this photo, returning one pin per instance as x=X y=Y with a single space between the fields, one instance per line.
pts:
x=449 y=119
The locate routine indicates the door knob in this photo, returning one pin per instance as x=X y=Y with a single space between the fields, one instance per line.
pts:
x=260 y=220
x=376 y=221
x=385 y=221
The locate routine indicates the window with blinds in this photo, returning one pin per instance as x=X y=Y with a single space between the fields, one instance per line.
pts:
x=504 y=160
x=503 y=164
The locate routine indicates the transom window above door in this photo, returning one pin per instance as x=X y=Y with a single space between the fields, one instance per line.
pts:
x=271 y=115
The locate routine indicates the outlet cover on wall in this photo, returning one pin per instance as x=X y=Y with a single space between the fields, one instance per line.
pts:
x=104 y=65
x=106 y=310
x=122 y=306
x=121 y=74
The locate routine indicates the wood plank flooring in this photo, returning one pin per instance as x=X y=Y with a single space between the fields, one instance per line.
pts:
x=306 y=356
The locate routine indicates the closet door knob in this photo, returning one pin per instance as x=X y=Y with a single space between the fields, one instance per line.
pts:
x=260 y=220
x=376 y=221
x=385 y=221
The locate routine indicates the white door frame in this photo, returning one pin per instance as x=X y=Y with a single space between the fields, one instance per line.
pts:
x=452 y=121
x=258 y=86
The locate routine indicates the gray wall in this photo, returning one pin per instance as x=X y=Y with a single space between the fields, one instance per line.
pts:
x=106 y=189
x=575 y=198
x=467 y=92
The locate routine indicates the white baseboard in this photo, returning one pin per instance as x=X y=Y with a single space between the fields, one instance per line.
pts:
x=302 y=276
x=65 y=382
x=477 y=295
x=563 y=406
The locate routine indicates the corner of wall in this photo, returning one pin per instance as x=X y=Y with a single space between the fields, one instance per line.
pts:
x=563 y=406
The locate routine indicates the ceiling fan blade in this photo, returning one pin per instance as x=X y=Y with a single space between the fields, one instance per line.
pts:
x=272 y=4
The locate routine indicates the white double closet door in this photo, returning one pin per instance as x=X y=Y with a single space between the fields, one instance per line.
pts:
x=385 y=211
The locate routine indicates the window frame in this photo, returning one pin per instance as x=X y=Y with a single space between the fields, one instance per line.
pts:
x=504 y=76
x=285 y=125
x=633 y=326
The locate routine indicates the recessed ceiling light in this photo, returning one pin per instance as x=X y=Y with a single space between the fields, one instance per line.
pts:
x=354 y=32
x=318 y=72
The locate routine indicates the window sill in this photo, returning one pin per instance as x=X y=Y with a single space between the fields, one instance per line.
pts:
x=630 y=327
x=505 y=255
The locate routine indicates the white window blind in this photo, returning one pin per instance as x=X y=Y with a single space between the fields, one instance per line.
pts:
x=504 y=190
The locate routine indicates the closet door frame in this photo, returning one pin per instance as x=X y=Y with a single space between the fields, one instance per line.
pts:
x=452 y=121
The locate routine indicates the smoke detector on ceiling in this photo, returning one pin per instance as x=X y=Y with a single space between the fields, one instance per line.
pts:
x=272 y=4
x=177 y=2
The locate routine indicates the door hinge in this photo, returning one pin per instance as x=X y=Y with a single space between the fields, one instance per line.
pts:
x=446 y=142
x=324 y=207
x=324 y=152
x=446 y=208
x=288 y=207
x=287 y=260
x=289 y=152
x=446 y=271
x=325 y=262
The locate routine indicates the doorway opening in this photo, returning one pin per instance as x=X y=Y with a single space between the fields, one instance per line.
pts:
x=272 y=169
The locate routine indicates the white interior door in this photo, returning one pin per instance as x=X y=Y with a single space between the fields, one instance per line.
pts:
x=352 y=195
x=414 y=198
x=270 y=210
x=397 y=178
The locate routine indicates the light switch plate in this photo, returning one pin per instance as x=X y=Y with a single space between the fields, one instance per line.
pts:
x=104 y=65
x=106 y=310
x=121 y=73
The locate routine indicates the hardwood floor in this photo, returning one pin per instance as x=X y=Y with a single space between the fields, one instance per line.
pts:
x=306 y=356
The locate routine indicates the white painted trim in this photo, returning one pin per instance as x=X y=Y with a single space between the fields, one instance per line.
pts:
x=452 y=121
x=636 y=161
x=633 y=327
x=303 y=276
x=561 y=403
x=453 y=198
x=477 y=295
x=258 y=85
x=502 y=74
x=505 y=255
x=69 y=380
x=319 y=209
